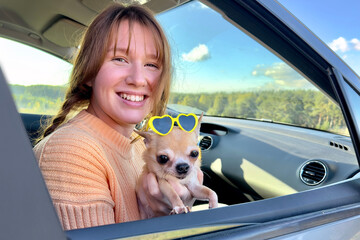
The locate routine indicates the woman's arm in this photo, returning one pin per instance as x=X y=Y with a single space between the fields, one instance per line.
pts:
x=76 y=179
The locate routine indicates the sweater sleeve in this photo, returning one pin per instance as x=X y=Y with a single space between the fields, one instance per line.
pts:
x=76 y=175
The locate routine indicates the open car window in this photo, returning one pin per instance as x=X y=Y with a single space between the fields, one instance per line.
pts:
x=36 y=79
x=221 y=71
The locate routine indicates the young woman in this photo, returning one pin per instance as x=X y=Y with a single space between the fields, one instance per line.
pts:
x=121 y=76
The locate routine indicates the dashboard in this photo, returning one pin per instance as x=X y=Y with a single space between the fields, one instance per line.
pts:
x=246 y=160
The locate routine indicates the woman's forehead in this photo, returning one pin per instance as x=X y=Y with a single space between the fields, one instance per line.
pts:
x=133 y=37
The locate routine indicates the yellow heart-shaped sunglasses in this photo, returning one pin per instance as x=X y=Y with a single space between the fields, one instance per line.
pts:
x=162 y=125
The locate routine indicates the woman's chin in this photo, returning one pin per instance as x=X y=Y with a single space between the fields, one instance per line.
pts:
x=134 y=117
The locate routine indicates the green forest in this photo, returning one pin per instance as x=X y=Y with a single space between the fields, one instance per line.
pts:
x=306 y=108
x=40 y=99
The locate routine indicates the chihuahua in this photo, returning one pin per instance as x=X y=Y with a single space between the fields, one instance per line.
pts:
x=174 y=157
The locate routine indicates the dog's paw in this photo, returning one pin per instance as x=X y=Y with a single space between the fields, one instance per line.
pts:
x=213 y=205
x=179 y=210
x=213 y=200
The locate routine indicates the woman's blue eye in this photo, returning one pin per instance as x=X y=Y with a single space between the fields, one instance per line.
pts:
x=119 y=59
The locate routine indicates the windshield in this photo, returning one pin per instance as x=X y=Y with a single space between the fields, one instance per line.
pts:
x=221 y=71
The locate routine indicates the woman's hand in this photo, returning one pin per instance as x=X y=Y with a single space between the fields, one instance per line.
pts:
x=156 y=200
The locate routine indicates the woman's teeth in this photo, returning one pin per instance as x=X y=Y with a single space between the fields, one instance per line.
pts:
x=133 y=98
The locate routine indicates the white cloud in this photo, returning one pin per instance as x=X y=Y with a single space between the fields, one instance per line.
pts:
x=343 y=45
x=283 y=76
x=356 y=43
x=197 y=54
x=339 y=44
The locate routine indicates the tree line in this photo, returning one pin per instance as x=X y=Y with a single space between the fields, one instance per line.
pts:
x=307 y=108
x=39 y=99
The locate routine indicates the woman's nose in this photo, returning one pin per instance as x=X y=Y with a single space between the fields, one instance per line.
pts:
x=136 y=76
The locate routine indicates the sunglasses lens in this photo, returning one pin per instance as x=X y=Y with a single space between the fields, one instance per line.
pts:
x=162 y=125
x=187 y=122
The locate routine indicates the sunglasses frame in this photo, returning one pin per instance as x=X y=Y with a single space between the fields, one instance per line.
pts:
x=173 y=121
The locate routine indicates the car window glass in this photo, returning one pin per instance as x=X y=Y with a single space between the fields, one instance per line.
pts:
x=37 y=79
x=353 y=101
x=221 y=71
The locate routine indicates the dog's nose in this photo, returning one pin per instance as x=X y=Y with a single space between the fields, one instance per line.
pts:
x=182 y=168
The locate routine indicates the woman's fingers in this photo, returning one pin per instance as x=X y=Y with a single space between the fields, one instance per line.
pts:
x=152 y=186
x=200 y=176
x=158 y=203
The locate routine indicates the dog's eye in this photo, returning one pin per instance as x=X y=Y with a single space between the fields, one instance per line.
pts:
x=194 y=154
x=162 y=159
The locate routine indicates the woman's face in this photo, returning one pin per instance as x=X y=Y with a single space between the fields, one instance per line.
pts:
x=123 y=90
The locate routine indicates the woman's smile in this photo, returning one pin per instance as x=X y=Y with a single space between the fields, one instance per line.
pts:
x=132 y=97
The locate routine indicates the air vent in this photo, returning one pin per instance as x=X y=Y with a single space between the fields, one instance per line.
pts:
x=338 y=145
x=313 y=173
x=205 y=143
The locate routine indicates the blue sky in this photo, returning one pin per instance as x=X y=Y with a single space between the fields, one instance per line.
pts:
x=211 y=55
x=208 y=51
x=335 y=22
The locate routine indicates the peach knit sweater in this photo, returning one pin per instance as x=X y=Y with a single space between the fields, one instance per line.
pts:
x=91 y=172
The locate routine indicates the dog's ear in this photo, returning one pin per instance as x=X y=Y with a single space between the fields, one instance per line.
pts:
x=197 y=129
x=147 y=135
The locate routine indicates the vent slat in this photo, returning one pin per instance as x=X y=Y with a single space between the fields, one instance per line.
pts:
x=317 y=178
x=315 y=168
x=319 y=171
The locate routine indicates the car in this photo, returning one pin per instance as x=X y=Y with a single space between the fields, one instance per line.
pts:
x=280 y=135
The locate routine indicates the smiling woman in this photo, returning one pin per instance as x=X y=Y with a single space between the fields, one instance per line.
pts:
x=121 y=75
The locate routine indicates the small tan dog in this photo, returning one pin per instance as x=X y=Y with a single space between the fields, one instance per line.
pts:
x=175 y=157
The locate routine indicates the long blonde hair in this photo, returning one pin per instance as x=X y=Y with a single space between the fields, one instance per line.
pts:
x=92 y=52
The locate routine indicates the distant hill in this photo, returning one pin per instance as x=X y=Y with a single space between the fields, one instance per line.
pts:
x=49 y=91
x=42 y=99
